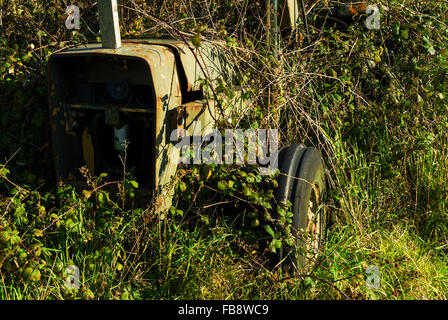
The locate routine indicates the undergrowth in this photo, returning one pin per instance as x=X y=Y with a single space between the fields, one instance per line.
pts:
x=372 y=101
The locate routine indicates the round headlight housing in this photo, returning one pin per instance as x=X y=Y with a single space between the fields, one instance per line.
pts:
x=118 y=89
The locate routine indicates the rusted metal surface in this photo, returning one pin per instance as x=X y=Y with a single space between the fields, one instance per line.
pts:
x=160 y=60
x=103 y=108
x=87 y=149
x=167 y=77
x=210 y=56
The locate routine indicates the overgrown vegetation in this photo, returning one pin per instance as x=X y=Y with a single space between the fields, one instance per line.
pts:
x=373 y=102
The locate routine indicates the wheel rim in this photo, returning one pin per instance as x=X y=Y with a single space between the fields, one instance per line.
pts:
x=314 y=225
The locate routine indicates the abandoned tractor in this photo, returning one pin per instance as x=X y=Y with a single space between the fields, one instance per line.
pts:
x=101 y=95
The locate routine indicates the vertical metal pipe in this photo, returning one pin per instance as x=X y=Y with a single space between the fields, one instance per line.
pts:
x=272 y=25
x=1 y=21
x=305 y=21
x=109 y=23
x=268 y=23
x=275 y=33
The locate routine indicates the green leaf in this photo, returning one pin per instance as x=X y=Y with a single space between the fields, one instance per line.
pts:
x=4 y=171
x=267 y=205
x=69 y=224
x=101 y=198
x=222 y=185
x=278 y=243
x=404 y=34
x=269 y=230
x=205 y=219
x=247 y=191
x=250 y=179
x=197 y=40
x=252 y=215
x=272 y=246
x=281 y=211
x=255 y=223
x=309 y=283
x=20 y=210
x=243 y=174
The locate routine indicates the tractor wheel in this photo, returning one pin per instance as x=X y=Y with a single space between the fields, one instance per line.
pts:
x=303 y=183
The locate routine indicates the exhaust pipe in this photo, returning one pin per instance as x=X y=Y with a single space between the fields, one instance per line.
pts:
x=109 y=24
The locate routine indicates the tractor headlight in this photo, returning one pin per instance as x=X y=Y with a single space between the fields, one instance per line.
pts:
x=118 y=89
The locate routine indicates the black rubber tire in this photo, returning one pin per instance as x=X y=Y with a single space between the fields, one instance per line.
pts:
x=310 y=188
x=288 y=161
x=302 y=168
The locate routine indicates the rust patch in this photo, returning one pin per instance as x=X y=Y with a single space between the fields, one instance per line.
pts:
x=357 y=9
x=87 y=150
x=56 y=110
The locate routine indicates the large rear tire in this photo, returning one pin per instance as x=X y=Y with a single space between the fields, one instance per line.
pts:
x=303 y=183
